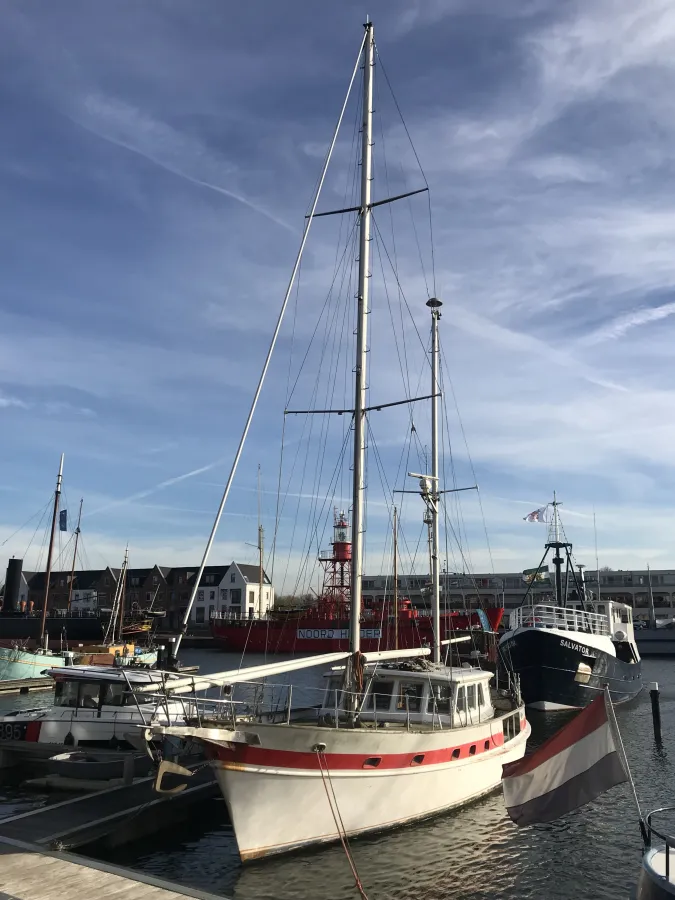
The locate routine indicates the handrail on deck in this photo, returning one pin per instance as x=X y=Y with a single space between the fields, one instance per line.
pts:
x=562 y=618
x=650 y=830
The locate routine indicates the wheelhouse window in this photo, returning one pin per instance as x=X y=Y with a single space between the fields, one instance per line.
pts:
x=461 y=699
x=89 y=694
x=65 y=694
x=409 y=696
x=380 y=695
x=471 y=696
x=440 y=699
x=117 y=695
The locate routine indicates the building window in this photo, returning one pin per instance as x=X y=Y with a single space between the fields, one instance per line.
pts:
x=235 y=597
x=155 y=580
x=200 y=595
x=251 y=597
x=212 y=595
x=199 y=615
x=223 y=595
x=232 y=577
x=148 y=597
x=250 y=612
x=212 y=609
x=180 y=579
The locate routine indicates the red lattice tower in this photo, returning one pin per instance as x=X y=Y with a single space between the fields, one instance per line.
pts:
x=337 y=567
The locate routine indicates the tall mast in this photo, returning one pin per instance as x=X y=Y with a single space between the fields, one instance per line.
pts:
x=395 y=579
x=261 y=538
x=361 y=342
x=557 y=559
x=122 y=587
x=435 y=307
x=652 y=613
x=597 y=564
x=72 y=570
x=556 y=522
x=57 y=495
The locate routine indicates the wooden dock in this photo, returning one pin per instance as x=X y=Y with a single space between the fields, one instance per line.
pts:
x=116 y=815
x=23 y=685
x=29 y=873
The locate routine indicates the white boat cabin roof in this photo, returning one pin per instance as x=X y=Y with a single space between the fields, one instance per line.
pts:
x=108 y=673
x=456 y=674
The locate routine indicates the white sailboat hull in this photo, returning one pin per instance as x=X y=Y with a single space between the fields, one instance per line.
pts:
x=279 y=800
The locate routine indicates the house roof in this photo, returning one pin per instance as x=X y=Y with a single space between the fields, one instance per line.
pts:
x=252 y=573
x=218 y=571
x=141 y=574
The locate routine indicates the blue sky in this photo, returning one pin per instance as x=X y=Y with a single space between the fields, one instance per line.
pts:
x=156 y=164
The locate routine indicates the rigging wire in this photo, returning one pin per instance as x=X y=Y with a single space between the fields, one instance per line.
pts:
x=419 y=163
x=40 y=512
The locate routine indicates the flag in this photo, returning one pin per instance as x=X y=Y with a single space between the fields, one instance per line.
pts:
x=537 y=515
x=537 y=574
x=63 y=520
x=572 y=768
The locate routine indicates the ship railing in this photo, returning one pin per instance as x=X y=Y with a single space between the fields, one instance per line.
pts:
x=559 y=617
x=256 y=701
x=228 y=615
x=650 y=832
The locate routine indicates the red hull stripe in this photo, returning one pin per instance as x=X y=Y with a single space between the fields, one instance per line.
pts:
x=292 y=759
x=591 y=718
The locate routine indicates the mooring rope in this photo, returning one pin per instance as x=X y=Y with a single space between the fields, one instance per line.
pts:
x=337 y=818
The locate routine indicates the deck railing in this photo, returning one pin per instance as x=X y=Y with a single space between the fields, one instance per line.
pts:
x=559 y=617
x=649 y=832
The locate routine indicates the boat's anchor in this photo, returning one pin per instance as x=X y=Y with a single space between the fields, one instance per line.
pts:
x=167 y=767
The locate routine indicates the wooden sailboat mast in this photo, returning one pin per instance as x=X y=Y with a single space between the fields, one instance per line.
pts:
x=72 y=569
x=48 y=572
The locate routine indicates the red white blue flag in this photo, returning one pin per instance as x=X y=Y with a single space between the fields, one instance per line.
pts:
x=537 y=515
x=573 y=767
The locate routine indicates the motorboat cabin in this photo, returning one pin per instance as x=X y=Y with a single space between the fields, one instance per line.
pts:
x=94 y=706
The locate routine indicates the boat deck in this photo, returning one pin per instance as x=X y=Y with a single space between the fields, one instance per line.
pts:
x=28 y=873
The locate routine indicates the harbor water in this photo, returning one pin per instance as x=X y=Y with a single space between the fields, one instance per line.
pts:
x=474 y=853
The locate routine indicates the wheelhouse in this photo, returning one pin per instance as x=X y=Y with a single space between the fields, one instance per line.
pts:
x=454 y=699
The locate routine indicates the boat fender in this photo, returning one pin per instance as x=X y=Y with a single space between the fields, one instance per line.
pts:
x=167 y=767
x=69 y=740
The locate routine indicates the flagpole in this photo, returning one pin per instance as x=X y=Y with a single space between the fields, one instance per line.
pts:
x=614 y=725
